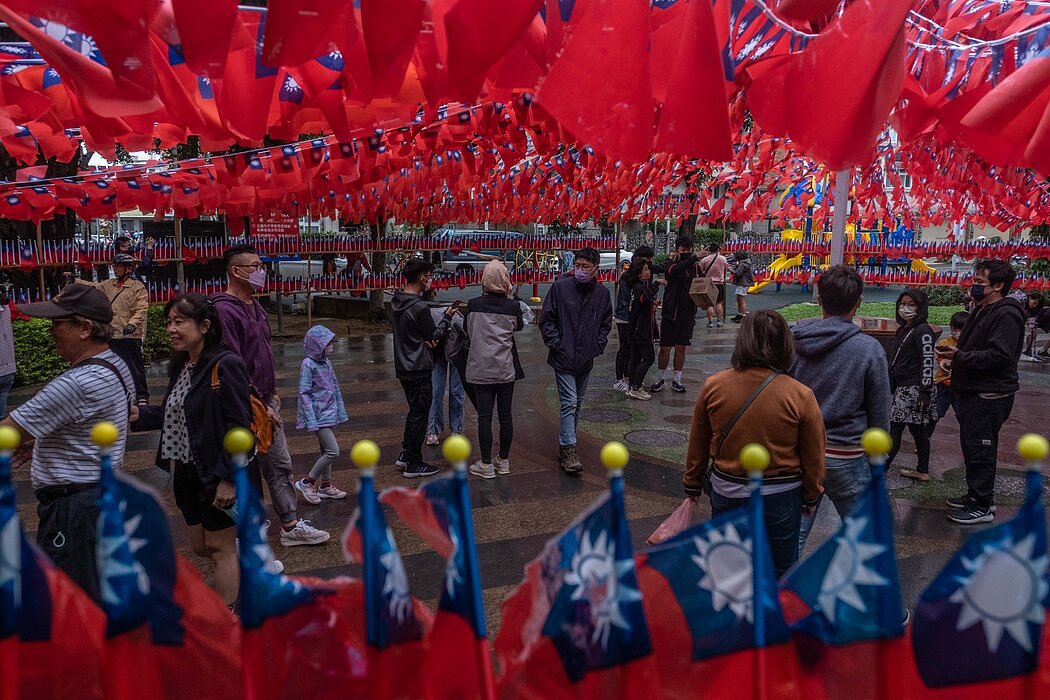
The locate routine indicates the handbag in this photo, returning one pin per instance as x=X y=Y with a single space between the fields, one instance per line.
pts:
x=702 y=289
x=262 y=426
x=729 y=426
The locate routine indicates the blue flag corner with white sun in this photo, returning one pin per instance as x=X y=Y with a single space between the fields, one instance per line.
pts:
x=711 y=569
x=596 y=619
x=850 y=583
x=136 y=560
x=982 y=617
x=10 y=553
x=263 y=591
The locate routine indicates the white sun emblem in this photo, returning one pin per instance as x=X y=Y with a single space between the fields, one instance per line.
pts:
x=847 y=570
x=113 y=567
x=395 y=584
x=11 y=558
x=452 y=575
x=1004 y=592
x=81 y=43
x=596 y=575
x=725 y=561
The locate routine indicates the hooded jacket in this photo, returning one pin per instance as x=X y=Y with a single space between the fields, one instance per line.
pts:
x=989 y=347
x=847 y=372
x=413 y=327
x=575 y=324
x=912 y=360
x=320 y=401
x=491 y=321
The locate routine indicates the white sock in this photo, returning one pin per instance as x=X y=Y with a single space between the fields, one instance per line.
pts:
x=667 y=373
x=678 y=377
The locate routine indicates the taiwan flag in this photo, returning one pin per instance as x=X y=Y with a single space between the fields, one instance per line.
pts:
x=979 y=626
x=394 y=621
x=844 y=603
x=711 y=597
x=10 y=581
x=458 y=662
x=161 y=617
x=576 y=626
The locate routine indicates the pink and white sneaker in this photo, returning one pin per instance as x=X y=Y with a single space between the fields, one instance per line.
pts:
x=331 y=492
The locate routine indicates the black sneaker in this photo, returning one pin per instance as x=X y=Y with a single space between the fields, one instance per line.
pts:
x=677 y=386
x=963 y=502
x=401 y=462
x=420 y=470
x=972 y=516
x=736 y=319
x=656 y=386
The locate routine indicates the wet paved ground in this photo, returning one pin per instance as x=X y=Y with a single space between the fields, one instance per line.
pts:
x=514 y=515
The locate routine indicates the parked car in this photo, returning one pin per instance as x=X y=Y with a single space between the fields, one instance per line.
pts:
x=608 y=259
x=465 y=242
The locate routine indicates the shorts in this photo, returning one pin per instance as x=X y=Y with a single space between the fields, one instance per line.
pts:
x=740 y=291
x=194 y=500
x=721 y=286
x=677 y=332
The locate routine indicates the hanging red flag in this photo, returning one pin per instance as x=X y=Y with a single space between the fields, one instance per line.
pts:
x=390 y=29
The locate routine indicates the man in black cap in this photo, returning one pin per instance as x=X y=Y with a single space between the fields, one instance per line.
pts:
x=56 y=424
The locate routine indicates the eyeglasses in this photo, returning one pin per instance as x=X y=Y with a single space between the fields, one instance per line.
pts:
x=59 y=321
x=585 y=266
x=254 y=266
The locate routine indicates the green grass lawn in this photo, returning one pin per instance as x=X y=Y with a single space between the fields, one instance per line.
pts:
x=882 y=309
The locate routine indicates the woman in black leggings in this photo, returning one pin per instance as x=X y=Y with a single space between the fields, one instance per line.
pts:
x=492 y=364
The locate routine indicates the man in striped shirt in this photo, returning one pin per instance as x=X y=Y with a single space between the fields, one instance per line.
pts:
x=847 y=372
x=56 y=424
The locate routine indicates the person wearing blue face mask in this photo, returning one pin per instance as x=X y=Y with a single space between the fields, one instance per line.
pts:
x=575 y=324
x=984 y=377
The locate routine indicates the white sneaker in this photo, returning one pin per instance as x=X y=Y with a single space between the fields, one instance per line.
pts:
x=303 y=533
x=621 y=385
x=433 y=440
x=331 y=492
x=502 y=466
x=274 y=566
x=308 y=490
x=639 y=394
x=485 y=471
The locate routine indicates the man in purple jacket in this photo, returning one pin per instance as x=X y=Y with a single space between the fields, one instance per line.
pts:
x=246 y=331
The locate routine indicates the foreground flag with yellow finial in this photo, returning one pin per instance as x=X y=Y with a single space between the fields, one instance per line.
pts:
x=711 y=598
x=576 y=626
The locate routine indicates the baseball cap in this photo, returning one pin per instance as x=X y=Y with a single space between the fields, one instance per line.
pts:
x=80 y=299
x=124 y=259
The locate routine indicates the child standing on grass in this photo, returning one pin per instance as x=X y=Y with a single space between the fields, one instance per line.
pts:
x=320 y=410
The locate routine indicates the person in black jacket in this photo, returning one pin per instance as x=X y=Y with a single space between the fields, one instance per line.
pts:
x=678 y=317
x=984 y=376
x=575 y=323
x=641 y=326
x=193 y=420
x=415 y=337
x=912 y=367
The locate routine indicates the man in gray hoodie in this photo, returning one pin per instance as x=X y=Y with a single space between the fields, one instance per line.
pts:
x=847 y=372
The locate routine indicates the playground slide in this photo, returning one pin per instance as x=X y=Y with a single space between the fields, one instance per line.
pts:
x=780 y=264
x=919 y=265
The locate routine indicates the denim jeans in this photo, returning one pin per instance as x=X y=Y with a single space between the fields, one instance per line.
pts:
x=443 y=373
x=6 y=381
x=571 y=390
x=844 y=479
x=783 y=517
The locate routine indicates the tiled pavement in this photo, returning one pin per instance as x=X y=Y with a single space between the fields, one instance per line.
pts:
x=514 y=515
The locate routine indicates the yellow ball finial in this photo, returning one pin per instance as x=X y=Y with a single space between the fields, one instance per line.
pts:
x=876 y=442
x=614 y=456
x=105 y=434
x=9 y=438
x=456 y=449
x=754 y=457
x=1033 y=448
x=238 y=441
x=364 y=454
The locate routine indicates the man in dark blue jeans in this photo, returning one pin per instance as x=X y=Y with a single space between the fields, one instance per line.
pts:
x=984 y=377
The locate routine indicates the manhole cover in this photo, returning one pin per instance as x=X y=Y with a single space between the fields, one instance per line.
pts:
x=679 y=420
x=656 y=438
x=604 y=415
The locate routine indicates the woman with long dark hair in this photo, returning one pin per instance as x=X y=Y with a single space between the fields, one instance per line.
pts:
x=208 y=394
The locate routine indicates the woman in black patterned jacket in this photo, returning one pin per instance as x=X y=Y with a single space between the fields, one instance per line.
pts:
x=912 y=364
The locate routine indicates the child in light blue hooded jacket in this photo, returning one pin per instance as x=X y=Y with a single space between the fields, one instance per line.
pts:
x=320 y=410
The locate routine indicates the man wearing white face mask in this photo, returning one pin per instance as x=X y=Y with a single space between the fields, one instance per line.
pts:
x=246 y=331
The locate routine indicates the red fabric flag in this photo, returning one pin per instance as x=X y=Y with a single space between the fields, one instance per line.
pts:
x=246 y=91
x=806 y=10
x=836 y=113
x=694 y=119
x=299 y=30
x=206 y=28
x=390 y=29
x=599 y=89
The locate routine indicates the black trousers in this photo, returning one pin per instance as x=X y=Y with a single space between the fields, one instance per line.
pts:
x=66 y=533
x=418 y=393
x=642 y=357
x=503 y=396
x=130 y=350
x=979 y=423
x=921 y=435
x=623 y=354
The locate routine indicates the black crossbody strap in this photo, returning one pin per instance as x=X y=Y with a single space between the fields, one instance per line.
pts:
x=112 y=368
x=734 y=419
